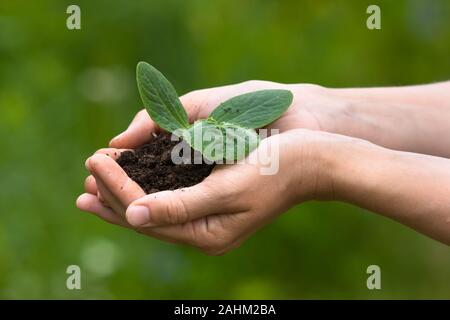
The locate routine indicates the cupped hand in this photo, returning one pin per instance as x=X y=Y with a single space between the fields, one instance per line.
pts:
x=109 y=191
x=217 y=214
x=306 y=111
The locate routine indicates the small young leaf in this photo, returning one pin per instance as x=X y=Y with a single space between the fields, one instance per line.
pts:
x=205 y=137
x=255 y=109
x=160 y=98
x=238 y=141
x=220 y=140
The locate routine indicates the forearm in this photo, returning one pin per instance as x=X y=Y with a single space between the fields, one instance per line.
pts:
x=414 y=118
x=411 y=188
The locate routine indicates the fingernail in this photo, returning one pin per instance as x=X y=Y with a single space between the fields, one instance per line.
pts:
x=80 y=201
x=138 y=215
x=86 y=164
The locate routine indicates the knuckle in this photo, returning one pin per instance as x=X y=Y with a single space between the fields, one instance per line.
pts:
x=226 y=193
x=189 y=99
x=87 y=182
x=232 y=193
x=176 y=211
x=192 y=102
x=101 y=151
x=140 y=117
x=141 y=113
x=210 y=188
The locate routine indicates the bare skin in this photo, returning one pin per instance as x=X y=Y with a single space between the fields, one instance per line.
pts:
x=335 y=144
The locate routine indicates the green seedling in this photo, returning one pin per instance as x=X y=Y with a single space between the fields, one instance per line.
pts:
x=229 y=131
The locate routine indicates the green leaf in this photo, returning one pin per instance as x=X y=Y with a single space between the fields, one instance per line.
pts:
x=218 y=141
x=239 y=141
x=205 y=137
x=255 y=109
x=160 y=98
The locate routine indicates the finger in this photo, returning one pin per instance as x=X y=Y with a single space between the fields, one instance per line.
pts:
x=181 y=234
x=178 y=234
x=212 y=234
x=103 y=200
x=113 y=153
x=200 y=103
x=108 y=200
x=138 y=132
x=179 y=206
x=90 y=186
x=89 y=203
x=90 y=183
x=174 y=234
x=193 y=103
x=111 y=177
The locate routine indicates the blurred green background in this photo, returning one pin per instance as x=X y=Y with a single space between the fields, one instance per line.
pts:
x=64 y=94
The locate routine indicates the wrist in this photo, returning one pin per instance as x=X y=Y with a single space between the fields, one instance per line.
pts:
x=335 y=165
x=351 y=112
x=354 y=168
x=345 y=114
x=368 y=114
x=340 y=111
x=313 y=164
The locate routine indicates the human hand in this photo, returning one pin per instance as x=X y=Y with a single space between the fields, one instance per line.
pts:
x=346 y=168
x=198 y=104
x=219 y=213
x=304 y=112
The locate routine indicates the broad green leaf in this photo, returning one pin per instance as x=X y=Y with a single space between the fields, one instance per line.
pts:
x=255 y=109
x=160 y=98
x=220 y=140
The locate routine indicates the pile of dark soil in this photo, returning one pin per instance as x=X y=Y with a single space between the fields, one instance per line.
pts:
x=152 y=168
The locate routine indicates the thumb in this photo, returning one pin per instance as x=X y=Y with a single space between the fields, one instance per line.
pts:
x=175 y=207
